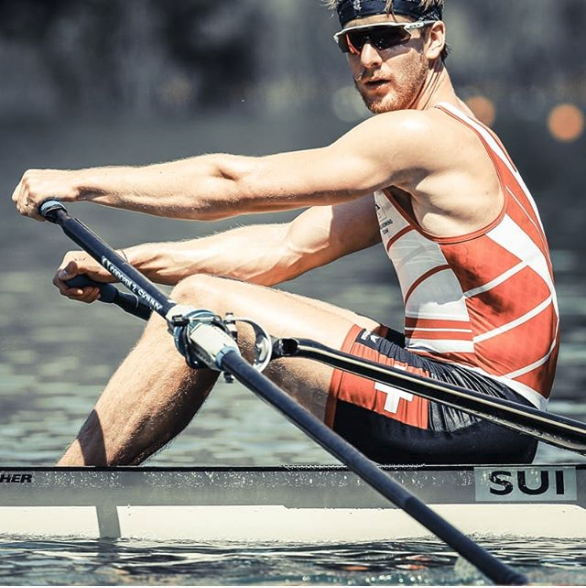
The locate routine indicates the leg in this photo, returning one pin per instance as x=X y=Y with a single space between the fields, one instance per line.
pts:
x=154 y=395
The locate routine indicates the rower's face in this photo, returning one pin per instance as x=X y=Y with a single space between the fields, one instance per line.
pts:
x=390 y=79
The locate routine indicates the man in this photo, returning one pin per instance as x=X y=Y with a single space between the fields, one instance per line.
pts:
x=423 y=177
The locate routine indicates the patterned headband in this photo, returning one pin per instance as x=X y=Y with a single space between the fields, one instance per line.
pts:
x=352 y=9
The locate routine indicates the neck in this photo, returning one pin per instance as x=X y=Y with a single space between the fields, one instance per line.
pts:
x=437 y=88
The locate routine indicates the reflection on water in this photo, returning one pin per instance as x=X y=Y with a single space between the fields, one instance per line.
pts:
x=55 y=357
x=421 y=563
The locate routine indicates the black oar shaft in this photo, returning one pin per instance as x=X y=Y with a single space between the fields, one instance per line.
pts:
x=552 y=429
x=346 y=453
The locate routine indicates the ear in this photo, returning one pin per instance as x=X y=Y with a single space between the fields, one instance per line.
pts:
x=435 y=40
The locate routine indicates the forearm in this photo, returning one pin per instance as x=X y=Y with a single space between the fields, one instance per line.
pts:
x=255 y=254
x=195 y=188
x=265 y=254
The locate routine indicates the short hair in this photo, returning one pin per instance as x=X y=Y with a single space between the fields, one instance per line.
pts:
x=424 y=5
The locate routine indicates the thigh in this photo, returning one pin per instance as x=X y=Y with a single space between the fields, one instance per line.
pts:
x=283 y=315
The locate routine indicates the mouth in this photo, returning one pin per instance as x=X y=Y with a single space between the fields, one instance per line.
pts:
x=376 y=83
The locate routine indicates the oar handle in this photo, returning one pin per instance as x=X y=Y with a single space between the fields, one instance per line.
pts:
x=137 y=283
x=111 y=295
x=108 y=292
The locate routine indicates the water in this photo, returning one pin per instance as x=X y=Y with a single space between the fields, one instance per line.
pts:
x=421 y=563
x=55 y=357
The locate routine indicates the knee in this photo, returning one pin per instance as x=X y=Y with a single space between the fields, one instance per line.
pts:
x=201 y=290
x=198 y=292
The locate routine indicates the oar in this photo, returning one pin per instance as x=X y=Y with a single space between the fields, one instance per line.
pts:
x=552 y=429
x=226 y=357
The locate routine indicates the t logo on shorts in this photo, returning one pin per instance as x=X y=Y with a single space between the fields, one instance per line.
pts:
x=393 y=397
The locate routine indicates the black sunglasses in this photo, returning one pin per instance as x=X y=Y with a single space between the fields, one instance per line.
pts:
x=381 y=36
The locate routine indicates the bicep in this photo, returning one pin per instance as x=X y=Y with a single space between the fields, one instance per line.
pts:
x=380 y=152
x=323 y=234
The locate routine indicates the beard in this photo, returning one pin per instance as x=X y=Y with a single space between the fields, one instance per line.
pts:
x=400 y=92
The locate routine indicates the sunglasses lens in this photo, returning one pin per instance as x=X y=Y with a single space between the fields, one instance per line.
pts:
x=385 y=39
x=382 y=38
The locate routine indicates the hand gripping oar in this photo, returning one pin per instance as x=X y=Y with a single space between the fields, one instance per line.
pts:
x=130 y=303
x=197 y=335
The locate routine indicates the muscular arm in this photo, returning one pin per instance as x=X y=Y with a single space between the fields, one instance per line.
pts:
x=440 y=166
x=263 y=254
x=373 y=155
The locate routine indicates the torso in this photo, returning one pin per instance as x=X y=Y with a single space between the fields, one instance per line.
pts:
x=476 y=278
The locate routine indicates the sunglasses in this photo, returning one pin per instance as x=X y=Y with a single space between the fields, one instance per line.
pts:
x=381 y=36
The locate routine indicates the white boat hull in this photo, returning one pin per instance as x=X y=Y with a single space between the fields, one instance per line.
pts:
x=286 y=504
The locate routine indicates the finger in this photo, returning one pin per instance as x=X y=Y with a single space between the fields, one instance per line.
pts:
x=86 y=295
x=71 y=293
x=66 y=290
x=32 y=211
x=16 y=193
x=21 y=198
x=89 y=295
x=67 y=271
x=26 y=203
x=36 y=215
x=70 y=270
x=61 y=286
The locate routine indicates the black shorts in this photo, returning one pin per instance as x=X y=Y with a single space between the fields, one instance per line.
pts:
x=392 y=427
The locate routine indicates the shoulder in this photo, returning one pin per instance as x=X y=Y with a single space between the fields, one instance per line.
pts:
x=409 y=141
x=399 y=124
x=418 y=122
x=408 y=131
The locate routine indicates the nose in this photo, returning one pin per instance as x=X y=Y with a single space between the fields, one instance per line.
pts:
x=369 y=56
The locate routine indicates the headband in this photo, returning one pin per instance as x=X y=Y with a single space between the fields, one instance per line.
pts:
x=352 y=9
